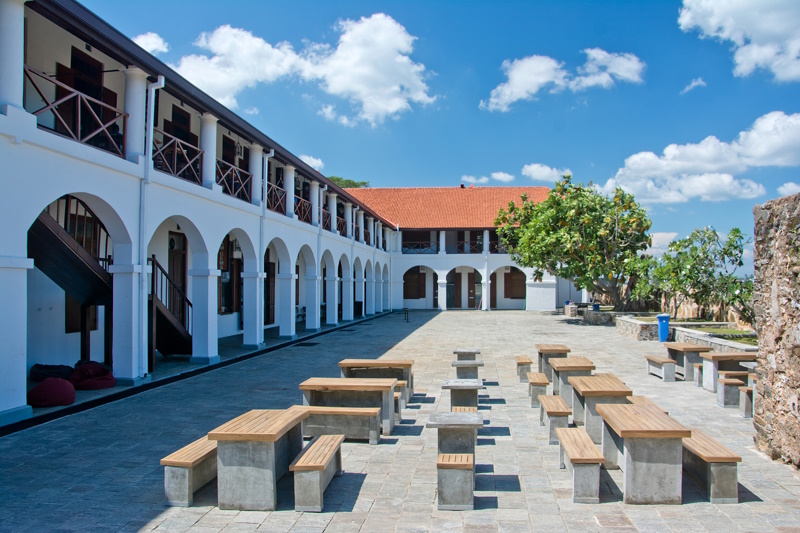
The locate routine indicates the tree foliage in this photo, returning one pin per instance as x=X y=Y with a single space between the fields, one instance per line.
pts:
x=580 y=235
x=346 y=183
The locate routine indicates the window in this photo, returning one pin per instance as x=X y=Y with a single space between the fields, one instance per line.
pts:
x=230 y=265
x=514 y=284
x=414 y=284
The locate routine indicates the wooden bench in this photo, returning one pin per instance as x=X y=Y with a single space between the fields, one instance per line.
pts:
x=523 y=367
x=663 y=367
x=402 y=387
x=189 y=469
x=728 y=392
x=582 y=459
x=713 y=465
x=313 y=470
x=456 y=481
x=698 y=374
x=735 y=374
x=398 y=404
x=463 y=409
x=555 y=412
x=746 y=402
x=537 y=385
x=362 y=423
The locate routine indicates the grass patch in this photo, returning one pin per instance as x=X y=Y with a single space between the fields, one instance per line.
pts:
x=719 y=332
x=672 y=320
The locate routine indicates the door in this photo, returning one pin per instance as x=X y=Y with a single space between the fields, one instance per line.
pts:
x=493 y=291
x=457 y=290
x=176 y=268
x=269 y=291
x=471 y=290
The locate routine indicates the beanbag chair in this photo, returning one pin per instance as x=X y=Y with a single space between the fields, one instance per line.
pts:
x=52 y=392
x=41 y=372
x=90 y=375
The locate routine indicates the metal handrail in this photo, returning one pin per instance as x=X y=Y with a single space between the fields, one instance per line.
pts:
x=164 y=288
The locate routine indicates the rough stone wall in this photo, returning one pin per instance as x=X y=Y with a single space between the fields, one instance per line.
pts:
x=777 y=305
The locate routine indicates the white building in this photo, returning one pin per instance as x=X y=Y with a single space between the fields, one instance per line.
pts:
x=142 y=217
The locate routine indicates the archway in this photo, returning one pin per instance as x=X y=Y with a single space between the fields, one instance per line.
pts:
x=279 y=305
x=369 y=288
x=420 y=288
x=238 y=288
x=464 y=288
x=329 y=304
x=306 y=292
x=358 y=289
x=378 y=288
x=345 y=289
x=507 y=288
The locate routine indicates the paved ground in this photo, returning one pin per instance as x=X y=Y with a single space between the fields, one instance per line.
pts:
x=99 y=470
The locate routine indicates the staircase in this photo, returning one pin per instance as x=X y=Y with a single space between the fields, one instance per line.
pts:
x=169 y=316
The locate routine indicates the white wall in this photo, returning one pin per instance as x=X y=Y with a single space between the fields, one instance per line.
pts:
x=502 y=301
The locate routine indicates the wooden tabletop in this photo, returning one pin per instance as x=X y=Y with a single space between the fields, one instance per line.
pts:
x=552 y=348
x=687 y=347
x=376 y=363
x=631 y=421
x=602 y=385
x=730 y=356
x=262 y=425
x=571 y=363
x=351 y=384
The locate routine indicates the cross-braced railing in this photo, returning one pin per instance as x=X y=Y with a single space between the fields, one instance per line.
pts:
x=177 y=157
x=302 y=209
x=326 y=219
x=341 y=226
x=276 y=199
x=423 y=247
x=234 y=181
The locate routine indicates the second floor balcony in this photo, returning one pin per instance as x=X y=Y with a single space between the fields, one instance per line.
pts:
x=179 y=158
x=420 y=247
x=341 y=226
x=326 y=220
x=302 y=208
x=234 y=181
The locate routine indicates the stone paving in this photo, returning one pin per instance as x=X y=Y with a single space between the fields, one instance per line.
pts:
x=99 y=470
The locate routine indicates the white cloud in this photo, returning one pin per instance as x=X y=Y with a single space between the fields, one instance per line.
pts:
x=313 y=162
x=152 y=42
x=473 y=179
x=695 y=83
x=764 y=33
x=502 y=176
x=252 y=111
x=539 y=172
x=529 y=75
x=660 y=242
x=789 y=188
x=706 y=170
x=369 y=67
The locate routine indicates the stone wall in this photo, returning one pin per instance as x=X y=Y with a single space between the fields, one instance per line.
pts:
x=777 y=304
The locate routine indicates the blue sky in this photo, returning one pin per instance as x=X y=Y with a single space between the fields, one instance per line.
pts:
x=693 y=106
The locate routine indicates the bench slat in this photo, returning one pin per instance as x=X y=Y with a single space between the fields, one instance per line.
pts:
x=708 y=449
x=192 y=454
x=554 y=405
x=578 y=446
x=455 y=461
x=731 y=381
x=317 y=454
x=552 y=348
x=522 y=360
x=463 y=409
x=538 y=378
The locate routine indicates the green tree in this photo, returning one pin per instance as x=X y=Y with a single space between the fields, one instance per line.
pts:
x=580 y=235
x=346 y=183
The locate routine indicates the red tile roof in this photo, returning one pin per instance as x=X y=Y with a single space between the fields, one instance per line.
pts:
x=443 y=207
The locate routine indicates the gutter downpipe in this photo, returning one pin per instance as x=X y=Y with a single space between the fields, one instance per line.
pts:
x=262 y=247
x=143 y=187
x=319 y=245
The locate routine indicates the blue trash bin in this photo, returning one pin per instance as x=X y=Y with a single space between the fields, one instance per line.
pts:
x=595 y=307
x=663 y=327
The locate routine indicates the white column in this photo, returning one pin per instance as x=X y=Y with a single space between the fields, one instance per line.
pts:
x=347 y=296
x=442 y=294
x=485 y=283
x=465 y=246
x=369 y=297
x=208 y=144
x=312 y=302
x=314 y=193
x=398 y=245
x=371 y=227
x=387 y=238
x=256 y=164
x=253 y=309
x=205 y=349
x=12 y=59
x=442 y=242
x=360 y=223
x=14 y=330
x=136 y=108
x=359 y=290
x=379 y=235
x=332 y=305
x=348 y=217
x=378 y=295
x=288 y=186
x=286 y=299
x=332 y=210
x=125 y=324
x=486 y=241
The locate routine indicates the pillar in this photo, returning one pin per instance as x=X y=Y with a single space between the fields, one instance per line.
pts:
x=360 y=223
x=442 y=241
x=387 y=239
x=347 y=297
x=398 y=243
x=486 y=241
x=332 y=306
x=486 y=286
x=286 y=316
x=125 y=326
x=288 y=187
x=442 y=292
x=136 y=108
x=379 y=235
x=371 y=227
x=14 y=330
x=312 y=302
x=253 y=309
x=208 y=144
x=369 y=297
x=204 y=316
x=348 y=217
x=332 y=210
x=314 y=193
x=12 y=56
x=359 y=295
x=378 y=295
x=256 y=163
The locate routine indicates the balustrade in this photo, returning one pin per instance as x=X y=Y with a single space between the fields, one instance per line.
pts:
x=177 y=157
x=424 y=247
x=326 y=219
x=234 y=181
x=276 y=199
x=302 y=208
x=341 y=226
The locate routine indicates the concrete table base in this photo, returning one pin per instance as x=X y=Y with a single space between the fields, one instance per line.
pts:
x=544 y=363
x=463 y=392
x=534 y=391
x=653 y=471
x=562 y=386
x=585 y=480
x=457 y=440
x=356 y=398
x=351 y=426
x=746 y=404
x=455 y=487
x=401 y=374
x=553 y=422
x=711 y=372
x=592 y=421
x=728 y=396
x=467 y=369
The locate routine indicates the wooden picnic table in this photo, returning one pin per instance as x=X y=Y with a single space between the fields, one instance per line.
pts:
x=563 y=368
x=353 y=392
x=685 y=354
x=713 y=362
x=647 y=444
x=546 y=351
x=401 y=369
x=588 y=392
x=254 y=450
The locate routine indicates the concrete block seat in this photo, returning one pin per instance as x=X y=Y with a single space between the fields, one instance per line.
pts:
x=398 y=405
x=537 y=386
x=713 y=465
x=455 y=476
x=360 y=423
x=189 y=469
x=313 y=470
x=582 y=459
x=405 y=396
x=663 y=367
x=746 y=402
x=555 y=413
x=728 y=392
x=467 y=369
x=523 y=367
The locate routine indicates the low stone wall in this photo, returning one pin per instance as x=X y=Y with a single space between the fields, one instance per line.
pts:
x=608 y=318
x=628 y=326
x=706 y=339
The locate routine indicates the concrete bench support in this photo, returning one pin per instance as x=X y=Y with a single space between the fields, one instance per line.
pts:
x=698 y=374
x=554 y=413
x=523 y=367
x=579 y=456
x=188 y=470
x=313 y=470
x=728 y=392
x=455 y=476
x=653 y=467
x=662 y=367
x=713 y=465
x=746 y=402
x=537 y=386
x=467 y=369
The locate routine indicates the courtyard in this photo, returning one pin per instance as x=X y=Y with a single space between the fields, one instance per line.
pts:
x=99 y=470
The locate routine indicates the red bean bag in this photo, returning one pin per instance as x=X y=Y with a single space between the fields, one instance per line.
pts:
x=52 y=392
x=92 y=376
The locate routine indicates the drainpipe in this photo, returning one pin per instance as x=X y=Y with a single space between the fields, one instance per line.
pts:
x=148 y=164
x=262 y=249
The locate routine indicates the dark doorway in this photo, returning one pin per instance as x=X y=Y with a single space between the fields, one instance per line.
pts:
x=177 y=271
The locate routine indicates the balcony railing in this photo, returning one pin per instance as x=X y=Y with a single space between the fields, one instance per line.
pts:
x=78 y=116
x=302 y=209
x=341 y=226
x=177 y=157
x=497 y=248
x=357 y=233
x=234 y=181
x=367 y=236
x=425 y=247
x=465 y=247
x=276 y=199
x=326 y=219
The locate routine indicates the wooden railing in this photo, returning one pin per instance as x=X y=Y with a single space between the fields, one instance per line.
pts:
x=341 y=226
x=177 y=157
x=465 y=247
x=326 y=219
x=302 y=209
x=164 y=288
x=235 y=181
x=82 y=224
x=497 y=248
x=276 y=199
x=367 y=236
x=425 y=247
x=77 y=115
x=357 y=233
